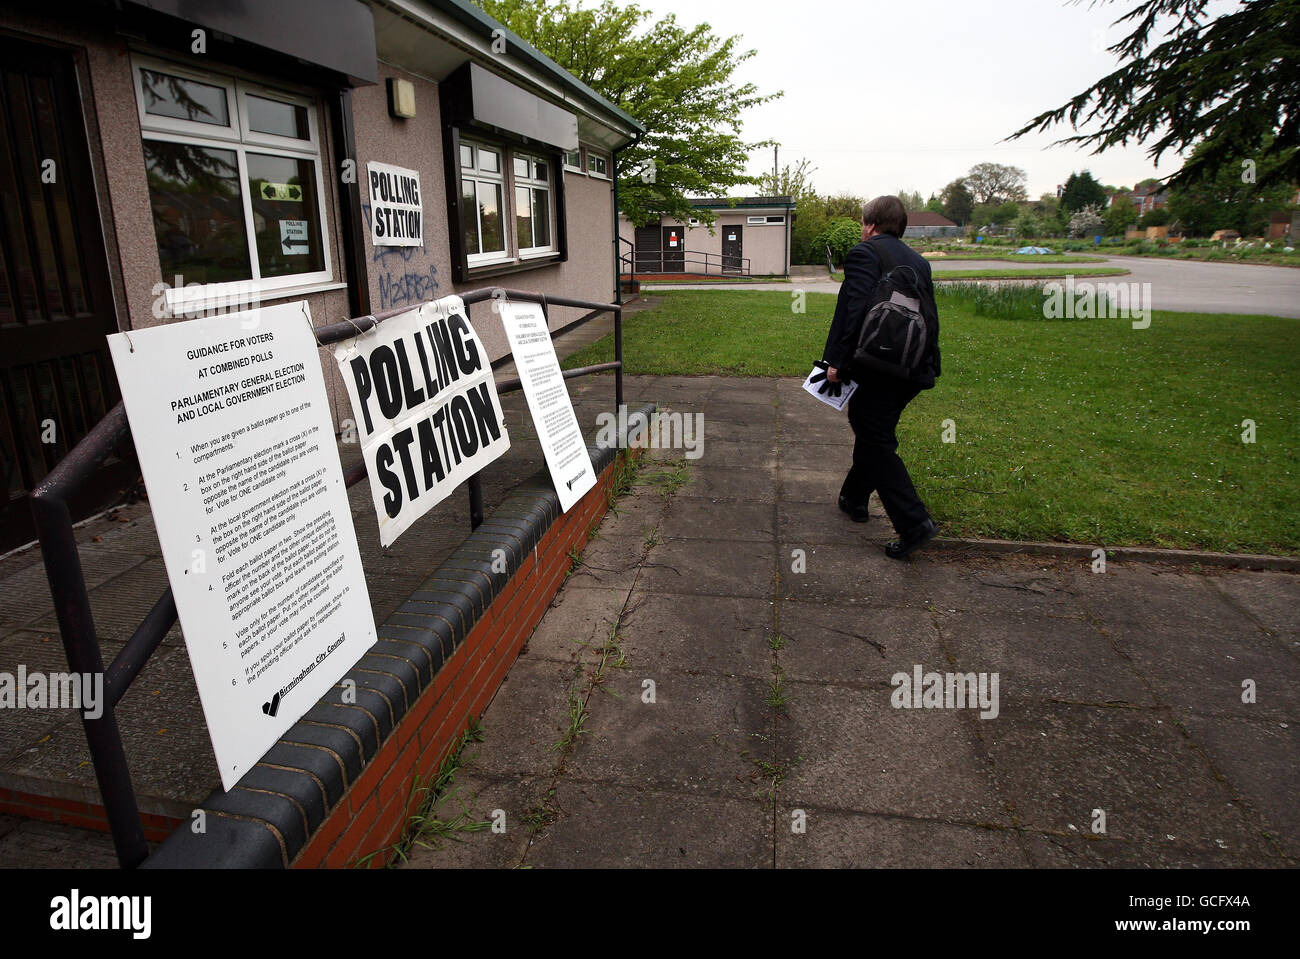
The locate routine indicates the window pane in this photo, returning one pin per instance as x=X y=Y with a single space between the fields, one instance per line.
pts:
x=489 y=161
x=469 y=216
x=466 y=155
x=523 y=218
x=539 y=170
x=169 y=96
x=573 y=159
x=286 y=215
x=278 y=119
x=198 y=215
x=542 y=217
x=521 y=166
x=489 y=204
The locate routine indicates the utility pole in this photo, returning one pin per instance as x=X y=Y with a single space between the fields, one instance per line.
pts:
x=776 y=176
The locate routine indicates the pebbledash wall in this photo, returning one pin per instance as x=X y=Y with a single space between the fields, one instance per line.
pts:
x=338 y=786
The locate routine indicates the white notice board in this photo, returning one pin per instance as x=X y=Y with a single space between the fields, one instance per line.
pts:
x=548 y=400
x=232 y=426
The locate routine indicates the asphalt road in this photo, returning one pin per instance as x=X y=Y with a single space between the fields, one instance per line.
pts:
x=1185 y=285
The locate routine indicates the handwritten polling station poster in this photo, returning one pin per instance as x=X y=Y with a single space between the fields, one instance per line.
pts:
x=426 y=409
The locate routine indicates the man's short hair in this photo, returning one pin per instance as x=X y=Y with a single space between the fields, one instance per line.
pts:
x=887 y=213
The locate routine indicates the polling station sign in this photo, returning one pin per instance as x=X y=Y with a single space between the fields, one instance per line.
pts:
x=426 y=409
x=396 y=212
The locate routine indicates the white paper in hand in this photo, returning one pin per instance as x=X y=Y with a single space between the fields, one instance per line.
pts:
x=834 y=402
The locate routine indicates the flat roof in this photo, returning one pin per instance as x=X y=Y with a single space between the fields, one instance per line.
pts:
x=478 y=21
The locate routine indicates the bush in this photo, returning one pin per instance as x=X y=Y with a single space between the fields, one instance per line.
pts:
x=841 y=235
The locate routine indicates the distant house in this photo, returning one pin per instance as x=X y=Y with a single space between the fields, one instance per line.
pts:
x=750 y=237
x=1148 y=196
x=926 y=223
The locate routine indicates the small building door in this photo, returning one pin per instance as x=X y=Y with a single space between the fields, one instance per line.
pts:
x=674 y=249
x=648 y=257
x=56 y=305
x=733 y=249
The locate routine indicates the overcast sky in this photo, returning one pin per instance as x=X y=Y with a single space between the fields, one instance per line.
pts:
x=910 y=94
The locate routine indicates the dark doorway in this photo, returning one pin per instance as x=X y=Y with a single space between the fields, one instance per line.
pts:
x=56 y=380
x=733 y=249
x=674 y=249
x=648 y=258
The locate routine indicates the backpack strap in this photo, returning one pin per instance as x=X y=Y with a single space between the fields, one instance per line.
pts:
x=890 y=264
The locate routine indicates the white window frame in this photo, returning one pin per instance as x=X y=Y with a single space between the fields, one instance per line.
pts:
x=531 y=183
x=593 y=155
x=237 y=138
x=507 y=207
x=762 y=220
x=580 y=168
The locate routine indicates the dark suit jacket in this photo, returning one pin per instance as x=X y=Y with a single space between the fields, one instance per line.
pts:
x=863 y=268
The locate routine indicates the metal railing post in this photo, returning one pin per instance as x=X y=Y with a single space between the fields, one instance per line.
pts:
x=618 y=358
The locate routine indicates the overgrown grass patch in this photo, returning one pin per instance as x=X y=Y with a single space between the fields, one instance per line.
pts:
x=1083 y=431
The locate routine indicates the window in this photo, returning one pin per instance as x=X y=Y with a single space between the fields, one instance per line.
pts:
x=482 y=188
x=234 y=175
x=573 y=161
x=760 y=220
x=532 y=205
x=597 y=165
x=510 y=206
x=693 y=221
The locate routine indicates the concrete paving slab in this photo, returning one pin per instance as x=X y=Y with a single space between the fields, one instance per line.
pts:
x=1247 y=752
x=1036 y=660
x=821 y=523
x=458 y=840
x=25 y=594
x=1057 y=763
x=577 y=624
x=849 y=749
x=698 y=635
x=843 y=645
x=694 y=517
x=726 y=484
x=1048 y=851
x=119 y=611
x=42 y=845
x=839 y=840
x=694 y=738
x=852 y=573
x=604 y=826
x=820 y=486
x=1271 y=599
x=526 y=718
x=713 y=568
x=1200 y=671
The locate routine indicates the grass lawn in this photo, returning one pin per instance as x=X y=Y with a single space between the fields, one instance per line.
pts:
x=1020 y=258
x=1083 y=431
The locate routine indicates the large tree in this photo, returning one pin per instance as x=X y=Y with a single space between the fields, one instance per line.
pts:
x=1228 y=84
x=958 y=203
x=678 y=81
x=1228 y=203
x=1082 y=190
x=995 y=183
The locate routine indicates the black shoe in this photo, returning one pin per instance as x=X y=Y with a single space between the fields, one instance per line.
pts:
x=858 y=514
x=909 y=544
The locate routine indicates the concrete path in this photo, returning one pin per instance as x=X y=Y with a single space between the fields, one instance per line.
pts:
x=712 y=687
x=1184 y=285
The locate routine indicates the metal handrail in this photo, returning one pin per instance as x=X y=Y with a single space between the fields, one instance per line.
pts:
x=49 y=503
x=741 y=264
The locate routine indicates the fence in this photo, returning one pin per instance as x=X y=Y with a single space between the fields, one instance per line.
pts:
x=67 y=582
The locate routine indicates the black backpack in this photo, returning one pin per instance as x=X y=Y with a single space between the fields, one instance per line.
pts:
x=895 y=337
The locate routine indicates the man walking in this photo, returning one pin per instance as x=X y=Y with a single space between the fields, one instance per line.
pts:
x=874 y=409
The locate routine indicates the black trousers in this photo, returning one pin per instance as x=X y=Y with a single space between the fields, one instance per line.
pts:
x=873 y=413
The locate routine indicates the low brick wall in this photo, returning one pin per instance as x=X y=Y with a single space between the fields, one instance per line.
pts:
x=339 y=784
x=77 y=812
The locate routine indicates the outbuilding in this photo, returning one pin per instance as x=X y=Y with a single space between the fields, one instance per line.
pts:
x=749 y=236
